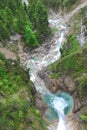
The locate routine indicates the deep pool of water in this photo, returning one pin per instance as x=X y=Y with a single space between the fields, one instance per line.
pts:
x=51 y=114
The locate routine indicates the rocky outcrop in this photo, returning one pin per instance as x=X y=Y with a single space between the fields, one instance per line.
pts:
x=39 y=104
x=64 y=83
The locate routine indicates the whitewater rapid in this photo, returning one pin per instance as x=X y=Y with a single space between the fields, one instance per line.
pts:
x=38 y=60
x=59 y=104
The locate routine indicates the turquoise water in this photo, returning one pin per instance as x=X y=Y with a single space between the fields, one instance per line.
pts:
x=51 y=113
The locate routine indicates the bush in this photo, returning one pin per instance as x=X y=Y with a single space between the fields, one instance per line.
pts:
x=71 y=45
x=82 y=88
x=30 y=38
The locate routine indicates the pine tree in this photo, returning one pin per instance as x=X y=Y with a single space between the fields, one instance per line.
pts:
x=30 y=37
x=39 y=17
x=42 y=20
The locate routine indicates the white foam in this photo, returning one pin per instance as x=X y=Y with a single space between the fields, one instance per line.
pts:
x=59 y=104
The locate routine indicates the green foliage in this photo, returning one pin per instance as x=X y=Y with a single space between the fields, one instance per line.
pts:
x=9 y=81
x=4 y=33
x=84 y=116
x=15 y=18
x=72 y=63
x=56 y=4
x=30 y=37
x=9 y=16
x=69 y=62
x=53 y=75
x=68 y=3
x=39 y=17
x=82 y=86
x=71 y=45
x=17 y=109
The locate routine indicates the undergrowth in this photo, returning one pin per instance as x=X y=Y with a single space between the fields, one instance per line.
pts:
x=17 y=102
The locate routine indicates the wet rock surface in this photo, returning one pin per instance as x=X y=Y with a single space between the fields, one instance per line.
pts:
x=40 y=104
x=63 y=83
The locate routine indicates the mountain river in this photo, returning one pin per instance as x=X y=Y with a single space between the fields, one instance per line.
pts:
x=42 y=57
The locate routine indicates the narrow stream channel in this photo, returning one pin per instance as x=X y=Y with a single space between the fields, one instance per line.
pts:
x=61 y=103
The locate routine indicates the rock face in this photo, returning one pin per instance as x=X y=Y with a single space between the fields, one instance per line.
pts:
x=64 y=83
x=39 y=104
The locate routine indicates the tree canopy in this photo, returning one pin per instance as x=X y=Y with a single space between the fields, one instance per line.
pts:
x=14 y=16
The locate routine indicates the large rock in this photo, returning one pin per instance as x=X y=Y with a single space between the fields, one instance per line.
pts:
x=40 y=104
x=64 y=83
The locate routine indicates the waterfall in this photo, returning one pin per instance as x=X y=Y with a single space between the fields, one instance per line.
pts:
x=59 y=104
x=61 y=125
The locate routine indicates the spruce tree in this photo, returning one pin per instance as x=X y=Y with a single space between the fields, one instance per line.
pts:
x=42 y=20
x=38 y=15
x=30 y=37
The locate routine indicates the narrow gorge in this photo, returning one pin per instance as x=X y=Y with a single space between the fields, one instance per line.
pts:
x=46 y=55
x=43 y=65
x=39 y=60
